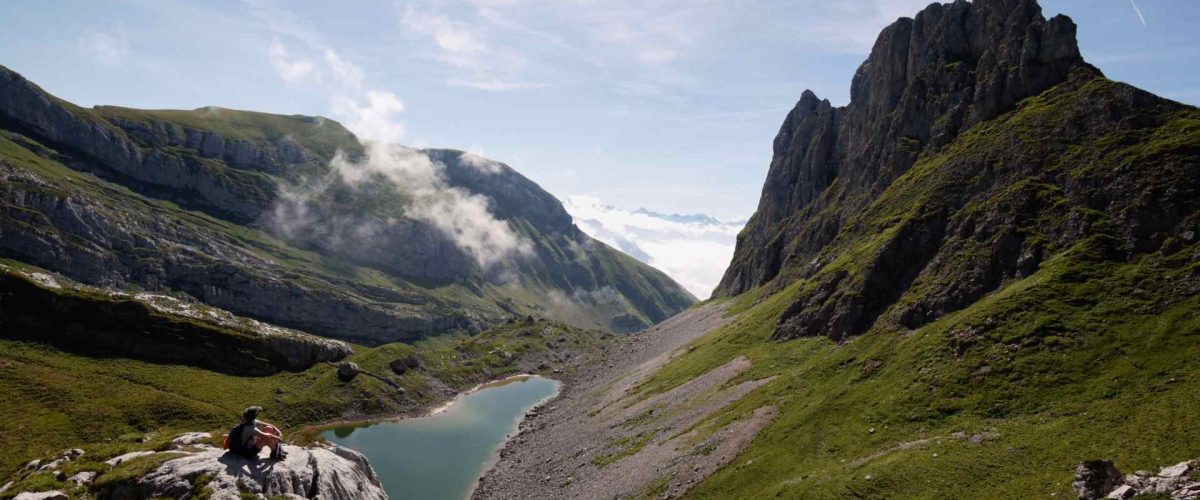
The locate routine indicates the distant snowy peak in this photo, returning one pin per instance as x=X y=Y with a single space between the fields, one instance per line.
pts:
x=689 y=218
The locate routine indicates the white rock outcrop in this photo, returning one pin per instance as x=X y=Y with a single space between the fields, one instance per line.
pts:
x=1100 y=479
x=327 y=472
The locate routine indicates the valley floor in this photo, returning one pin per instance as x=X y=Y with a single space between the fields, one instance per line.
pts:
x=602 y=439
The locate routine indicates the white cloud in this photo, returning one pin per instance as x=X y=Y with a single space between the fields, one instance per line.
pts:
x=291 y=70
x=374 y=116
x=344 y=71
x=479 y=162
x=467 y=47
x=107 y=48
x=462 y=216
x=692 y=249
x=376 y=119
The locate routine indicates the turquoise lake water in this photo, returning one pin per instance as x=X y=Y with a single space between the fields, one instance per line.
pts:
x=441 y=456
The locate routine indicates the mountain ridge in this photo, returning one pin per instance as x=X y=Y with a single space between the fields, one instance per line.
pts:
x=186 y=200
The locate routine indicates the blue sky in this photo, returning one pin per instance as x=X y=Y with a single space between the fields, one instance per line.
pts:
x=670 y=105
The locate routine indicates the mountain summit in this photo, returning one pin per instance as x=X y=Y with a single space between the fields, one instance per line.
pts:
x=962 y=161
x=927 y=79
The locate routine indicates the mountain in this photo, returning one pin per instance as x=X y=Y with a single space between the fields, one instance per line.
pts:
x=981 y=272
x=693 y=249
x=293 y=221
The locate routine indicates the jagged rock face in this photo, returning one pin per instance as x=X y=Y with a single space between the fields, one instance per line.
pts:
x=997 y=204
x=927 y=79
x=935 y=186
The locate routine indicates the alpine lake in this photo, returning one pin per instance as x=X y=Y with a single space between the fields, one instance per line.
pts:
x=443 y=454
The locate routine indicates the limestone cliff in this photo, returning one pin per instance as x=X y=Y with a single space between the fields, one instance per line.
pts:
x=185 y=200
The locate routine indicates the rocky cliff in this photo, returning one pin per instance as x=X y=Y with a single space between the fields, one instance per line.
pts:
x=188 y=201
x=923 y=98
x=39 y=307
x=980 y=272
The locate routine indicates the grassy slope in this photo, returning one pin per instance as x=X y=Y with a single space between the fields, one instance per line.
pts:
x=56 y=400
x=1087 y=358
x=321 y=136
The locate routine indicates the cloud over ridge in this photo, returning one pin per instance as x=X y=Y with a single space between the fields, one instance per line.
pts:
x=691 y=249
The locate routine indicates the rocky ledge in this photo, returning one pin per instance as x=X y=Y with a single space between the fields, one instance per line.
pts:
x=1096 y=479
x=49 y=308
x=327 y=472
x=192 y=468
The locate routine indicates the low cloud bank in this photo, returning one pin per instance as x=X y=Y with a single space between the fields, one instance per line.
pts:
x=388 y=183
x=692 y=249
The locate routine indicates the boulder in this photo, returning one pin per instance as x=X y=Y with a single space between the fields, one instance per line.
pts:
x=118 y=460
x=398 y=366
x=43 y=495
x=1177 y=470
x=412 y=362
x=1095 y=479
x=50 y=465
x=1122 y=492
x=329 y=472
x=190 y=439
x=84 y=478
x=347 y=371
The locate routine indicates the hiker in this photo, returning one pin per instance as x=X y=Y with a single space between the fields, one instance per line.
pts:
x=252 y=435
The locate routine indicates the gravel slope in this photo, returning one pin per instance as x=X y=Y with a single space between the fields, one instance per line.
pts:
x=594 y=441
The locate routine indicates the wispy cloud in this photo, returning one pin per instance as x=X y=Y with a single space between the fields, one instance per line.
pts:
x=344 y=71
x=374 y=116
x=109 y=48
x=1139 y=12
x=520 y=44
x=290 y=69
x=467 y=47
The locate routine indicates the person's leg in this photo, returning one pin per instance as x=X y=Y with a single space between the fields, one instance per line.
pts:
x=274 y=442
x=269 y=441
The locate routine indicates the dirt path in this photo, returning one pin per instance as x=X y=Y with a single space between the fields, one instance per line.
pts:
x=599 y=440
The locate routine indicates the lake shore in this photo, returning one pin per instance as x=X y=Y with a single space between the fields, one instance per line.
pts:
x=443 y=453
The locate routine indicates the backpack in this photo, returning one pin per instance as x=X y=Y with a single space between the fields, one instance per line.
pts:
x=236 y=442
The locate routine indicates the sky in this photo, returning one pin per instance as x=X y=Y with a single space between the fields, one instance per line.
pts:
x=666 y=105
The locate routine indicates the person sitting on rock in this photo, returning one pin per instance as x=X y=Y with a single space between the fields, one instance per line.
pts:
x=252 y=435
